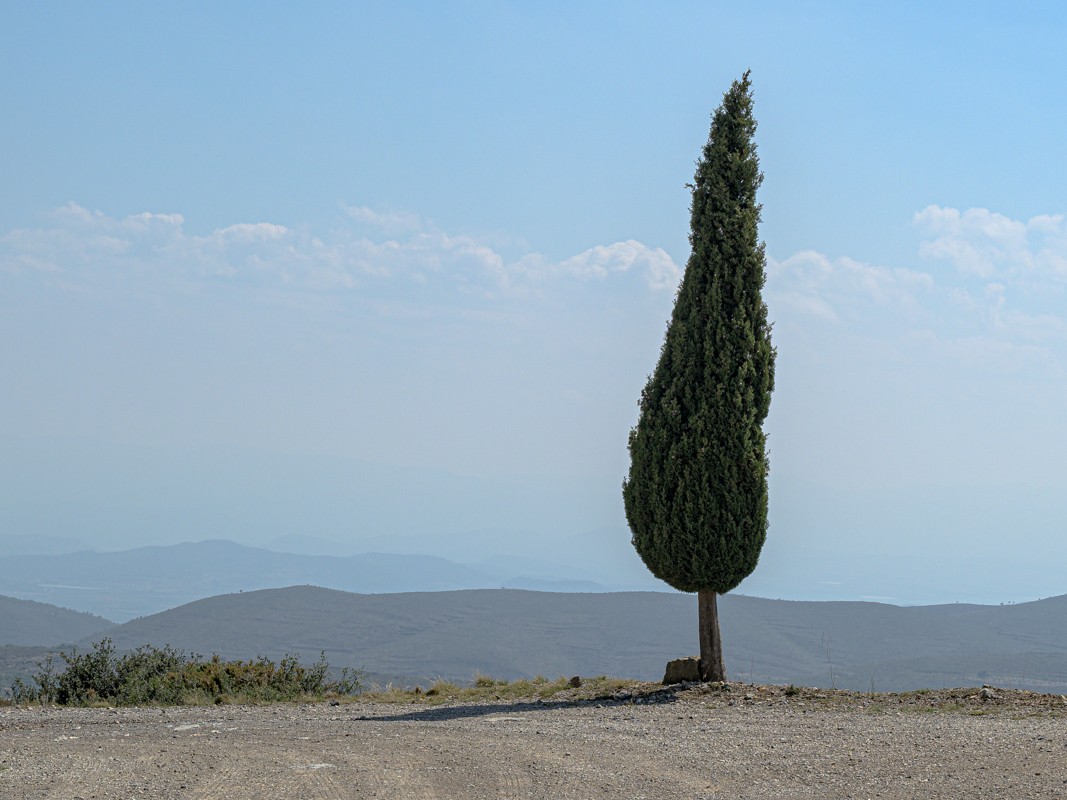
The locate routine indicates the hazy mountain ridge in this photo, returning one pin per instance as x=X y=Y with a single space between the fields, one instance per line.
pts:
x=129 y=583
x=512 y=633
x=121 y=585
x=40 y=544
x=26 y=623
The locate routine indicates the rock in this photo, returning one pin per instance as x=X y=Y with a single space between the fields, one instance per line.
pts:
x=575 y=682
x=682 y=669
x=987 y=694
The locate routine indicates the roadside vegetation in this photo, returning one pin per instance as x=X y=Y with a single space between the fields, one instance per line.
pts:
x=167 y=676
x=485 y=688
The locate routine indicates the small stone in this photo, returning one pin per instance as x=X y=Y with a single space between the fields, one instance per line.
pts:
x=575 y=682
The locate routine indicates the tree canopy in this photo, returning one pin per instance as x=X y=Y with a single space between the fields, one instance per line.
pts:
x=696 y=494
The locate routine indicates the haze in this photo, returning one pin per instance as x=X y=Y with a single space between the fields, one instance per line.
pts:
x=392 y=276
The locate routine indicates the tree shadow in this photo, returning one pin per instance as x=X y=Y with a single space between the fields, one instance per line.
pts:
x=445 y=713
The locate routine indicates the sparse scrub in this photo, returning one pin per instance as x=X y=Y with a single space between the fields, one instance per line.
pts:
x=443 y=688
x=485 y=688
x=167 y=676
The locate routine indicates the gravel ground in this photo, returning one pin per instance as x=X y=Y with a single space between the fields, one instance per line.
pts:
x=696 y=742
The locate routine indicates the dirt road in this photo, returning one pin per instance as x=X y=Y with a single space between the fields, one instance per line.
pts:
x=756 y=743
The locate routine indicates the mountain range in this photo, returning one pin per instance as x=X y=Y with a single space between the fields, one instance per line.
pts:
x=419 y=636
x=122 y=585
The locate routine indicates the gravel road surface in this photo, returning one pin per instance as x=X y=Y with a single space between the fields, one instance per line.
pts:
x=749 y=742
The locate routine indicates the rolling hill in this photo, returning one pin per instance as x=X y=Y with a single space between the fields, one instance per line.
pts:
x=26 y=623
x=30 y=630
x=512 y=633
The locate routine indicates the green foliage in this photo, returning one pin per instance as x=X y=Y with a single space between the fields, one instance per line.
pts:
x=166 y=676
x=21 y=693
x=90 y=676
x=150 y=675
x=46 y=680
x=696 y=494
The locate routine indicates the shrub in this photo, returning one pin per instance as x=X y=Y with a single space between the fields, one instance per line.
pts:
x=152 y=675
x=90 y=676
x=167 y=676
x=45 y=678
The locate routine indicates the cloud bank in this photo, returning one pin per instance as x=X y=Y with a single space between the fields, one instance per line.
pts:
x=1003 y=291
x=79 y=247
x=390 y=337
x=985 y=244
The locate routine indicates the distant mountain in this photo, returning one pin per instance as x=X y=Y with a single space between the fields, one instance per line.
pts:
x=28 y=624
x=551 y=585
x=34 y=544
x=510 y=633
x=122 y=585
x=130 y=583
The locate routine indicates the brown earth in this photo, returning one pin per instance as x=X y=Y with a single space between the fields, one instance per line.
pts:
x=696 y=742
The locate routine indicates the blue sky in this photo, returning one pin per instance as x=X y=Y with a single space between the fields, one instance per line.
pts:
x=398 y=272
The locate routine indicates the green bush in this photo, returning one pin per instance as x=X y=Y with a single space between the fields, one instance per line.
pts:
x=90 y=676
x=167 y=676
x=150 y=675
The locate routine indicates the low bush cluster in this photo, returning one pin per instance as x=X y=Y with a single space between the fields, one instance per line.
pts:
x=166 y=676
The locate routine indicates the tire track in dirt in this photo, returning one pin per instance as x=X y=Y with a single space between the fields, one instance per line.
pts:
x=281 y=768
x=462 y=766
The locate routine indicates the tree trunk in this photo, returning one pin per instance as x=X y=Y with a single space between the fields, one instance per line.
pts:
x=711 y=666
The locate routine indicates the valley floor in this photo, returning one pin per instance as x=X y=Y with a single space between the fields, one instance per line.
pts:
x=749 y=742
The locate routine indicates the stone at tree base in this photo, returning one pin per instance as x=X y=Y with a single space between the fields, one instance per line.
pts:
x=683 y=670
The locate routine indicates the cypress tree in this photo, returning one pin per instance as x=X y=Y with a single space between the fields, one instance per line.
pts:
x=696 y=494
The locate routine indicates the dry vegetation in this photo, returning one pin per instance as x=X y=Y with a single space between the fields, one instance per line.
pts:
x=974 y=701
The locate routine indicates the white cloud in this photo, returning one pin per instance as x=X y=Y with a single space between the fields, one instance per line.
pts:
x=391 y=222
x=998 y=304
x=837 y=289
x=373 y=247
x=660 y=271
x=1005 y=294
x=252 y=232
x=986 y=244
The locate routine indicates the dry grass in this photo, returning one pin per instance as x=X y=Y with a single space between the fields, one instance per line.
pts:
x=488 y=689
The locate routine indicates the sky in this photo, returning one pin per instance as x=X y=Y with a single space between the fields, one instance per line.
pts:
x=394 y=274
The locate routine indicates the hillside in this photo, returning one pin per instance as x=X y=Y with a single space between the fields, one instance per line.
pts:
x=26 y=623
x=511 y=633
